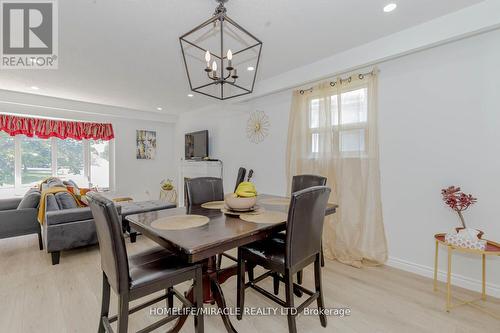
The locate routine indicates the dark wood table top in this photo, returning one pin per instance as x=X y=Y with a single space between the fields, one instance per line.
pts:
x=222 y=233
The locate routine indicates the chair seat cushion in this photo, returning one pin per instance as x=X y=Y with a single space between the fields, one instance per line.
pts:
x=155 y=265
x=269 y=253
x=279 y=237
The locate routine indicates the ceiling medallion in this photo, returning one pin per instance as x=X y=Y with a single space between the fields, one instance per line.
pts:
x=218 y=55
x=257 y=127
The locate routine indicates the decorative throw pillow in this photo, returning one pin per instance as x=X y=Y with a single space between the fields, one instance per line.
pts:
x=71 y=183
x=65 y=200
x=55 y=182
x=30 y=200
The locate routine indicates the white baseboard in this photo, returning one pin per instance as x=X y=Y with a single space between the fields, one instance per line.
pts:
x=457 y=280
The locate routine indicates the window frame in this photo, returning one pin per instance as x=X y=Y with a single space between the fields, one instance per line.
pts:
x=338 y=128
x=3 y=188
x=19 y=188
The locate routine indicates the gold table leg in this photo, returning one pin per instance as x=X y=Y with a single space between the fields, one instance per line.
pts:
x=483 y=296
x=449 y=296
x=436 y=266
x=448 y=281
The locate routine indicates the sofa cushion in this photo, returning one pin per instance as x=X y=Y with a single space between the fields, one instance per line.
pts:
x=55 y=182
x=65 y=200
x=30 y=200
x=51 y=203
x=71 y=183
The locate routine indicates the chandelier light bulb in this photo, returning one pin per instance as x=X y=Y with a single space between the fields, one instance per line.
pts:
x=207 y=56
x=229 y=55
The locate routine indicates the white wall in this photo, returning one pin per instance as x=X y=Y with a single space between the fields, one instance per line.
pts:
x=439 y=126
x=227 y=140
x=139 y=179
x=439 y=119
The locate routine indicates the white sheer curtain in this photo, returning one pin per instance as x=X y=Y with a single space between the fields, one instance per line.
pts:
x=333 y=133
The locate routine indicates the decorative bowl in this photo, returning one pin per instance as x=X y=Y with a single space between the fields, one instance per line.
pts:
x=239 y=203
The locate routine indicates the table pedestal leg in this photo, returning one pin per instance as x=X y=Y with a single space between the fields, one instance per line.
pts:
x=212 y=292
x=221 y=303
x=436 y=266
x=483 y=296
x=448 y=281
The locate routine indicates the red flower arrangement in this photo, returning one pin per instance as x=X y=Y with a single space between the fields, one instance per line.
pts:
x=458 y=200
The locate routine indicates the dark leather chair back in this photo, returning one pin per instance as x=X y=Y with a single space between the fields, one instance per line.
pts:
x=114 y=259
x=302 y=182
x=240 y=178
x=203 y=189
x=305 y=224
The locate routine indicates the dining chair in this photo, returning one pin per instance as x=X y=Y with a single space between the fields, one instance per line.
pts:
x=301 y=182
x=203 y=189
x=240 y=178
x=139 y=275
x=301 y=248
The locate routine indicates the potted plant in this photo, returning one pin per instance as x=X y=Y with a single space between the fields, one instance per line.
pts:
x=459 y=202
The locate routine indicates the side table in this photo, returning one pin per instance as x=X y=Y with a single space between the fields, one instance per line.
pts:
x=492 y=249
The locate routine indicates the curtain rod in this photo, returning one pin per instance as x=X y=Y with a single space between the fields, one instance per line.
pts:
x=361 y=76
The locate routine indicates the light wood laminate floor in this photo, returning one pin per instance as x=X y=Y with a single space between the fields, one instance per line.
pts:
x=38 y=297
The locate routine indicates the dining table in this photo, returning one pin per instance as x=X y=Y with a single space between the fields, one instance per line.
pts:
x=202 y=244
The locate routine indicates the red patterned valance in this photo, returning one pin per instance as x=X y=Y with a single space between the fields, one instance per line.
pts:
x=47 y=128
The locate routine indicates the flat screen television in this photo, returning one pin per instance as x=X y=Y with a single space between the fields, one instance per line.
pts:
x=196 y=145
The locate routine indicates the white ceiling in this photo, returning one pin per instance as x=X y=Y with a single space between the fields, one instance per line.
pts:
x=126 y=53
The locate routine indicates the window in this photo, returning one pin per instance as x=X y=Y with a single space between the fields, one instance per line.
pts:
x=26 y=161
x=7 y=160
x=99 y=163
x=36 y=160
x=70 y=160
x=347 y=123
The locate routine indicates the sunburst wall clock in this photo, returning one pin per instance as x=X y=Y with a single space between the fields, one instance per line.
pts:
x=257 y=126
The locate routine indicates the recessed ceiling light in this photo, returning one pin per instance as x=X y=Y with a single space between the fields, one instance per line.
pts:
x=190 y=95
x=159 y=108
x=35 y=88
x=390 y=7
x=250 y=68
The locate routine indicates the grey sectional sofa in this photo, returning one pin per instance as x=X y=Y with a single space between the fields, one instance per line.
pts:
x=66 y=225
x=18 y=216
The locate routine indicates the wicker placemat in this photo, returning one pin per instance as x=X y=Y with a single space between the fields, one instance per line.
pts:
x=213 y=205
x=180 y=222
x=228 y=211
x=265 y=217
x=275 y=201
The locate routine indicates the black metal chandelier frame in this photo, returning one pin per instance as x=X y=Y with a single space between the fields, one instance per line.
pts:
x=220 y=17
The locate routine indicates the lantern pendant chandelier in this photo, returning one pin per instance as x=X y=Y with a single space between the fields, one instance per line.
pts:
x=221 y=57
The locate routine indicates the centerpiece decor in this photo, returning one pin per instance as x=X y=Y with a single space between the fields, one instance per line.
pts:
x=221 y=57
x=244 y=198
x=463 y=236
